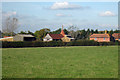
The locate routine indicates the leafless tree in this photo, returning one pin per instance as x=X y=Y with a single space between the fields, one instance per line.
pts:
x=10 y=25
x=73 y=31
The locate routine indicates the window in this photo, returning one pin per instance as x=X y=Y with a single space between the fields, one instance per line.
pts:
x=103 y=38
x=95 y=38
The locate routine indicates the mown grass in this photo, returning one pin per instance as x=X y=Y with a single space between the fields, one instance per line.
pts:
x=60 y=62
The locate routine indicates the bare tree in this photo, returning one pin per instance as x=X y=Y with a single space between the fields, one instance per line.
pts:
x=73 y=31
x=10 y=25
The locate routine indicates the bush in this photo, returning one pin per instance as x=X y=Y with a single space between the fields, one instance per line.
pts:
x=55 y=44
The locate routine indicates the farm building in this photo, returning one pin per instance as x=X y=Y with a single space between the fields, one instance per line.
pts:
x=116 y=36
x=23 y=37
x=55 y=37
x=101 y=37
x=7 y=38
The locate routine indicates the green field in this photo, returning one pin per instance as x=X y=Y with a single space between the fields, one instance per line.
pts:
x=60 y=62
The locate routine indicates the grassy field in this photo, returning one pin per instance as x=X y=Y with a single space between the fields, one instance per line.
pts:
x=60 y=62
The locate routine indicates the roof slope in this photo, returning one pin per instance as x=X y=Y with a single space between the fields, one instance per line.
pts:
x=56 y=36
x=100 y=36
x=25 y=35
x=116 y=35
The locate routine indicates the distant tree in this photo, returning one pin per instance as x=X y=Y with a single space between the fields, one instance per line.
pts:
x=96 y=31
x=92 y=31
x=72 y=31
x=87 y=33
x=41 y=33
x=1 y=34
x=29 y=32
x=116 y=31
x=110 y=32
x=56 y=31
x=10 y=25
x=22 y=32
x=101 y=32
x=66 y=31
x=83 y=33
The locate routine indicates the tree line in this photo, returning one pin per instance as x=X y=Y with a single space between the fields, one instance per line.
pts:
x=11 y=25
x=78 y=34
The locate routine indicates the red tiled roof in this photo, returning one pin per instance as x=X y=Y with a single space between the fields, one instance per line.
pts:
x=56 y=36
x=7 y=36
x=100 y=36
x=116 y=35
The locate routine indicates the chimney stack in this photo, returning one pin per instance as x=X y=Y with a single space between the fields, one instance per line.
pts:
x=62 y=31
x=105 y=31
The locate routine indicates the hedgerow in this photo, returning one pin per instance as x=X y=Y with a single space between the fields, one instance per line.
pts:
x=17 y=44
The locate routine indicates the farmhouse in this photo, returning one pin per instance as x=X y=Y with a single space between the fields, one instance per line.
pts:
x=101 y=37
x=23 y=37
x=116 y=36
x=53 y=37
x=56 y=37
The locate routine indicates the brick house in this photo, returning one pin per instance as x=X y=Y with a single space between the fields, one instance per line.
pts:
x=101 y=37
x=116 y=36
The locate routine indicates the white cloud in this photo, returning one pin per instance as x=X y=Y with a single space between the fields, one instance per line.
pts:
x=65 y=5
x=107 y=13
x=8 y=14
x=62 y=15
x=68 y=24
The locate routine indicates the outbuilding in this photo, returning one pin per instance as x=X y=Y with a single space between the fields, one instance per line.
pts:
x=7 y=38
x=23 y=37
x=116 y=36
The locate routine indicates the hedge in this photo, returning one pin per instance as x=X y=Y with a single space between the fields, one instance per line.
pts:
x=55 y=44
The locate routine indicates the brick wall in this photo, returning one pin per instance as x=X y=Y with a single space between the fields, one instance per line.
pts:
x=101 y=39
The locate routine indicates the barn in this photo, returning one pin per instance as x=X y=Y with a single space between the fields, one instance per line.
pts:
x=23 y=37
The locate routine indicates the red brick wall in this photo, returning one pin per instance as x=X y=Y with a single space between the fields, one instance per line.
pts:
x=101 y=39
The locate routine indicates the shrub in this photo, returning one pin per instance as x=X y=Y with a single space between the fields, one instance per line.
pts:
x=55 y=43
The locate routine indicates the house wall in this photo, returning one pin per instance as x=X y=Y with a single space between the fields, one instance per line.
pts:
x=66 y=39
x=101 y=39
x=47 y=38
x=117 y=39
x=18 y=38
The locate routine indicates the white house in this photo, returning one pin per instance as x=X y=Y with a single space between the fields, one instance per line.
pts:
x=51 y=37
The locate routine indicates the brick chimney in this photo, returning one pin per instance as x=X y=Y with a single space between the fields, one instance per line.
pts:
x=105 y=31
x=62 y=31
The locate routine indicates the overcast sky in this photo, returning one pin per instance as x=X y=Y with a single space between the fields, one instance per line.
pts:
x=37 y=15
